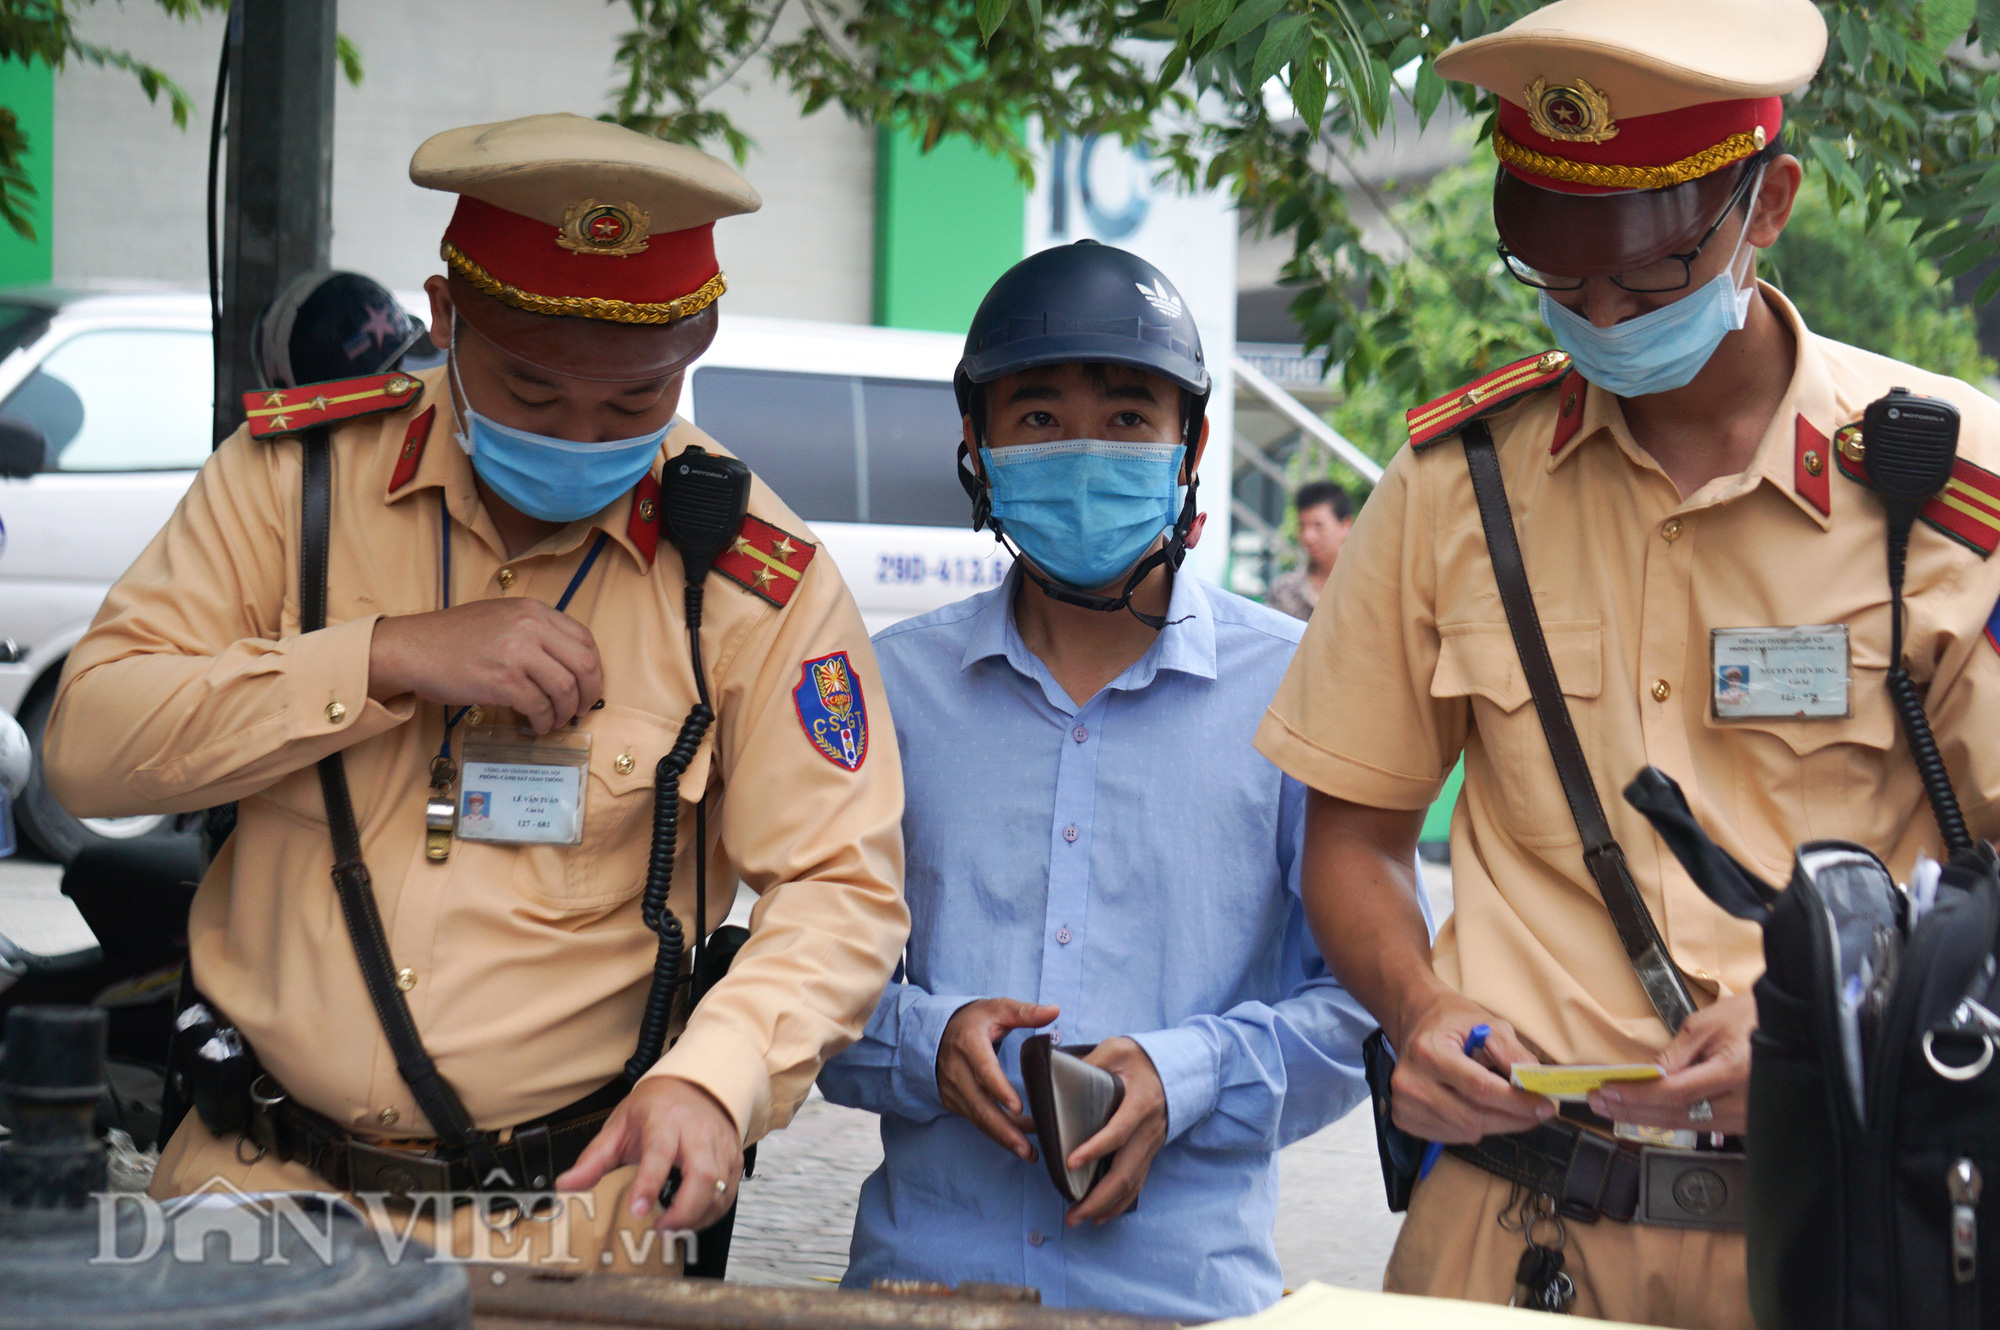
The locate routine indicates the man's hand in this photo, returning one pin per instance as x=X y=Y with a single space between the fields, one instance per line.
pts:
x=1133 y=1136
x=1709 y=1059
x=511 y=653
x=664 y=1123
x=1443 y=1095
x=970 y=1081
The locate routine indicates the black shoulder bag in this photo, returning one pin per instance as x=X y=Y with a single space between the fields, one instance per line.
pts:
x=434 y=1095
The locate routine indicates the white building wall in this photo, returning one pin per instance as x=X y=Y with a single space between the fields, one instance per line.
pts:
x=129 y=186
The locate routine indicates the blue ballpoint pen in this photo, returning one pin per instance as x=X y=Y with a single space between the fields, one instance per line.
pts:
x=1432 y=1152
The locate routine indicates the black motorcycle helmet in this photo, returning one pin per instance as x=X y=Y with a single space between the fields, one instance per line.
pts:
x=333 y=325
x=1084 y=303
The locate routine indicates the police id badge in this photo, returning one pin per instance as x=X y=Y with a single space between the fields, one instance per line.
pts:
x=520 y=789
x=832 y=711
x=1779 y=673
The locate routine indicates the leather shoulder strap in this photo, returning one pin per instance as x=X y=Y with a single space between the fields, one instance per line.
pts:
x=351 y=882
x=1665 y=986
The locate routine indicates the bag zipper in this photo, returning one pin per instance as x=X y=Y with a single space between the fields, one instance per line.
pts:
x=1963 y=1183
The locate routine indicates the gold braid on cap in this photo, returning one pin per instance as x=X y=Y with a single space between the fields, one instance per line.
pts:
x=1709 y=160
x=583 y=307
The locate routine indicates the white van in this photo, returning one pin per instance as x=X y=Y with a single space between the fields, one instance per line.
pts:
x=855 y=429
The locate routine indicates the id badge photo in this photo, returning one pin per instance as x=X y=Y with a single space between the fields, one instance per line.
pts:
x=520 y=789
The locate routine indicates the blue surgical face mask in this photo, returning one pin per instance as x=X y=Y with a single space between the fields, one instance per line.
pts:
x=552 y=479
x=1084 y=510
x=1660 y=350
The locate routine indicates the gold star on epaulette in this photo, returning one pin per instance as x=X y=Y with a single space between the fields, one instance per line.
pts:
x=764 y=578
x=742 y=546
x=319 y=404
x=783 y=547
x=274 y=399
x=279 y=422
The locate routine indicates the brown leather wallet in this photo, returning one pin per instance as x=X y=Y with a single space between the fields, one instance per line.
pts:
x=1070 y=1101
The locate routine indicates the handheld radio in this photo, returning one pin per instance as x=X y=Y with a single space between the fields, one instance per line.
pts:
x=1911 y=444
x=703 y=499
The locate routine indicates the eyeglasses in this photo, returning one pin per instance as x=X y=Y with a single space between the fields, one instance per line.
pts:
x=1675 y=272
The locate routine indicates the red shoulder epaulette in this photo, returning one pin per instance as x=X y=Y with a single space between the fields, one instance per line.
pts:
x=1967 y=509
x=1457 y=408
x=765 y=561
x=275 y=411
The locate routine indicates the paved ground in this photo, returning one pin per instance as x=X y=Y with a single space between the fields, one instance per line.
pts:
x=796 y=1214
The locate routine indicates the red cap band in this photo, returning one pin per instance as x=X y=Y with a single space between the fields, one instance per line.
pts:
x=1646 y=151
x=602 y=263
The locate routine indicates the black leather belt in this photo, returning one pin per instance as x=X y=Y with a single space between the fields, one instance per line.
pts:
x=1593 y=1176
x=534 y=1154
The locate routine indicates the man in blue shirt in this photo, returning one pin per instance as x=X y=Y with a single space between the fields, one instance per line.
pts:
x=1093 y=847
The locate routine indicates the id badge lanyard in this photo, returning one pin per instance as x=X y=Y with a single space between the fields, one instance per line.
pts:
x=440 y=810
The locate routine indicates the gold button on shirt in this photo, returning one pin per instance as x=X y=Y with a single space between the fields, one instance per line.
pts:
x=1412 y=663
x=195 y=687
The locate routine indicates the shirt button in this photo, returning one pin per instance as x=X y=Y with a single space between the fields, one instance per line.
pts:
x=1080 y=733
x=1069 y=834
x=623 y=766
x=506 y=578
x=1062 y=937
x=1670 y=530
x=1035 y=1238
x=406 y=979
x=387 y=1117
x=335 y=713
x=474 y=715
x=1662 y=690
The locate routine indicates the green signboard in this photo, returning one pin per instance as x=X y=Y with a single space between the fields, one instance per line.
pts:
x=947 y=222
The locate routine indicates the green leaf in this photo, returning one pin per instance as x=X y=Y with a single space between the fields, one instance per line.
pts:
x=350 y=59
x=990 y=14
x=1945 y=21
x=1284 y=42
x=1250 y=14
x=1309 y=91
x=1429 y=92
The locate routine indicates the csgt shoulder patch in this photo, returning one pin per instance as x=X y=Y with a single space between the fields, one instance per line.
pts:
x=831 y=710
x=765 y=561
x=1484 y=395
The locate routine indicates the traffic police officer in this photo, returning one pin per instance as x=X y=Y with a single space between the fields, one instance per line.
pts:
x=498 y=568
x=1680 y=473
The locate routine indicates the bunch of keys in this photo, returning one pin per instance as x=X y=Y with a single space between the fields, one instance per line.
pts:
x=1540 y=1283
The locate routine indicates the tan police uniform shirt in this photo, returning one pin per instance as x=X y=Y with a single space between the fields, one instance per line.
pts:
x=530 y=963
x=1412 y=663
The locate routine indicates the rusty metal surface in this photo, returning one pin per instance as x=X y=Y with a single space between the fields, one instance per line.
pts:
x=524 y=1301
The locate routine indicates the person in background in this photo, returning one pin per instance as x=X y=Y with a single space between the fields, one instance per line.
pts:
x=1326 y=515
x=1094 y=849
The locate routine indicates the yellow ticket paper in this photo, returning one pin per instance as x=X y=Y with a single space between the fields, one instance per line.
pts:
x=1573 y=1085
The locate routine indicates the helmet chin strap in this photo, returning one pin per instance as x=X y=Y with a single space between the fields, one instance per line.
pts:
x=1171 y=554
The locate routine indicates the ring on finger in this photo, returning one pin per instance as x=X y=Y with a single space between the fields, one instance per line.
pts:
x=1701 y=1111
x=722 y=1186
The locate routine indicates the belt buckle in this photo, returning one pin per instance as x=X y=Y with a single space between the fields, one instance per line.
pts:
x=1706 y=1189
x=400 y=1173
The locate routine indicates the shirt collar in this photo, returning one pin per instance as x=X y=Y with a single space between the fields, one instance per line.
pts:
x=1186 y=645
x=1807 y=416
x=438 y=463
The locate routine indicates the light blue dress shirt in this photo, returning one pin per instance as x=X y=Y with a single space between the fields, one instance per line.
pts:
x=1135 y=862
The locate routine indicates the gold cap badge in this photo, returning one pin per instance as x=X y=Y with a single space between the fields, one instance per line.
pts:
x=614 y=230
x=1574 y=112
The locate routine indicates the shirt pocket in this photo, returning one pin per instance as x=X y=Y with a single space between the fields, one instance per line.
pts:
x=609 y=867
x=1517 y=777
x=1800 y=780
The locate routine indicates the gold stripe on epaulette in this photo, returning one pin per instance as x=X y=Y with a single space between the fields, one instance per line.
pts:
x=1480 y=391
